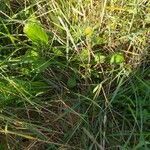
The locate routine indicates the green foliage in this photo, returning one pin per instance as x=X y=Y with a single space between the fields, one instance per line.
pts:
x=2 y=147
x=35 y=62
x=71 y=82
x=117 y=58
x=35 y=32
x=32 y=55
x=79 y=81
x=57 y=52
x=84 y=55
x=88 y=31
x=99 y=58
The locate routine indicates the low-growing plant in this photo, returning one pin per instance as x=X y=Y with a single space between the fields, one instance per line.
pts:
x=73 y=70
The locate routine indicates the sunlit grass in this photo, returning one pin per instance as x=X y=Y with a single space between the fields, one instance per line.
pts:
x=74 y=74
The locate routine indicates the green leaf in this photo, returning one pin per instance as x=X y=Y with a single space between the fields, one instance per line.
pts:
x=40 y=65
x=32 y=55
x=35 y=32
x=84 y=55
x=88 y=31
x=35 y=62
x=57 y=52
x=96 y=40
x=25 y=71
x=71 y=82
x=117 y=58
x=99 y=58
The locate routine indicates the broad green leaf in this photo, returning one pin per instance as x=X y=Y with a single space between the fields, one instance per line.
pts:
x=35 y=32
x=117 y=58
x=99 y=58
x=88 y=31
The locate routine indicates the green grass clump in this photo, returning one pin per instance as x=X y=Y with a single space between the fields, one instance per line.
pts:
x=74 y=74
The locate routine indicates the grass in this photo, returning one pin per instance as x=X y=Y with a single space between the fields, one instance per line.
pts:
x=74 y=74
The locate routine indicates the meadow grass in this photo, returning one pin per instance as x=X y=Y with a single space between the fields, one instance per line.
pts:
x=74 y=74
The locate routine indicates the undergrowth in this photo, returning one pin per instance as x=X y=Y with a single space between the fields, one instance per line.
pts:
x=74 y=74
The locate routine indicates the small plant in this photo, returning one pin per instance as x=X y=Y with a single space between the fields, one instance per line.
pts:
x=88 y=31
x=69 y=77
x=99 y=58
x=34 y=31
x=117 y=58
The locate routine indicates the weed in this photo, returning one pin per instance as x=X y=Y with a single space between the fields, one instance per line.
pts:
x=74 y=74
